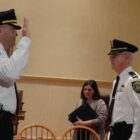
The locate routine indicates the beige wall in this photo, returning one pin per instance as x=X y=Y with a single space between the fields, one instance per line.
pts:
x=70 y=41
x=49 y=101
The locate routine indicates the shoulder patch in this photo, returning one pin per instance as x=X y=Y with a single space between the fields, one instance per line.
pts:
x=133 y=74
x=136 y=86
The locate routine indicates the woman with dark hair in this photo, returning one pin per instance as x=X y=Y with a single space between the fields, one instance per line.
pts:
x=90 y=95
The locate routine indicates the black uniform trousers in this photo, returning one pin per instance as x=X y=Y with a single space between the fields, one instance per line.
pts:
x=121 y=131
x=6 y=125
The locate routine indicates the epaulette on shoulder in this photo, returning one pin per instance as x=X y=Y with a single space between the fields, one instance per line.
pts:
x=133 y=74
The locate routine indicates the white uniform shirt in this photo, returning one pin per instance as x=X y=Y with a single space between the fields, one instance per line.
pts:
x=127 y=102
x=10 y=70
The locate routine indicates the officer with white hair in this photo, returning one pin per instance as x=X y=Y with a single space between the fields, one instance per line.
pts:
x=124 y=109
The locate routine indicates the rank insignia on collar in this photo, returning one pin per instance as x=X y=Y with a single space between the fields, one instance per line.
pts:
x=136 y=86
x=121 y=88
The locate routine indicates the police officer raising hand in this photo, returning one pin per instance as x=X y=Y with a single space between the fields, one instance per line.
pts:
x=25 y=30
x=12 y=64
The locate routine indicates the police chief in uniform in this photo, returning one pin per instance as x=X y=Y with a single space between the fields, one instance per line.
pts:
x=12 y=65
x=124 y=109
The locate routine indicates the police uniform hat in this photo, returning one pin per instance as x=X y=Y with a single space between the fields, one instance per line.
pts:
x=9 y=17
x=118 y=46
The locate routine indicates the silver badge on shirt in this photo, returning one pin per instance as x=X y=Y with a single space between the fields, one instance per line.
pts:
x=122 y=88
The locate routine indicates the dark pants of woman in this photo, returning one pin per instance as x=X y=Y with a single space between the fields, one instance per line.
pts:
x=82 y=134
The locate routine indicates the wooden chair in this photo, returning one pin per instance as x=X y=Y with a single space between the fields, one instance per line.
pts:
x=35 y=132
x=106 y=99
x=80 y=132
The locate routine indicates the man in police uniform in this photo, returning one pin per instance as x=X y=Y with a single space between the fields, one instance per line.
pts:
x=11 y=66
x=125 y=117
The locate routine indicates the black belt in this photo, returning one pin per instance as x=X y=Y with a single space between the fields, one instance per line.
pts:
x=6 y=114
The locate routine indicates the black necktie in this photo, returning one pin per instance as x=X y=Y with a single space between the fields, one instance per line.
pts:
x=16 y=92
x=113 y=100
